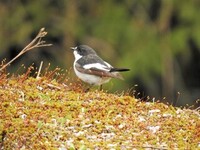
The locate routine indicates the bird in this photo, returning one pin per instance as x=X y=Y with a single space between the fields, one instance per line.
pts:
x=91 y=68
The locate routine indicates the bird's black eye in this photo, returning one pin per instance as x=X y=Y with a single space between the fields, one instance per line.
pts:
x=80 y=50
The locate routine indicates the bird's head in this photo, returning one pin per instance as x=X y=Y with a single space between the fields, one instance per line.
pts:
x=83 y=50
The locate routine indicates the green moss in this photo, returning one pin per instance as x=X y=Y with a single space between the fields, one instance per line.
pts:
x=44 y=114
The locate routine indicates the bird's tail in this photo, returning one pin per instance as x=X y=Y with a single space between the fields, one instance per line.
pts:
x=119 y=69
x=116 y=74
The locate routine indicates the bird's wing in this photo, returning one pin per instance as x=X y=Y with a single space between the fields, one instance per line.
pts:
x=96 y=66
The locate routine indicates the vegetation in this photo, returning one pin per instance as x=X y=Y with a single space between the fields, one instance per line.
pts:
x=50 y=112
x=157 y=39
x=47 y=111
x=35 y=43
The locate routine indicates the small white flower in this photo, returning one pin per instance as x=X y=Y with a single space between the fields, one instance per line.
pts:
x=109 y=127
x=107 y=135
x=151 y=112
x=167 y=115
x=23 y=116
x=141 y=119
x=79 y=133
x=153 y=129
x=121 y=126
x=39 y=88
x=87 y=125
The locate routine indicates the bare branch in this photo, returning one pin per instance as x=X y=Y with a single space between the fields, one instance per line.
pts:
x=35 y=43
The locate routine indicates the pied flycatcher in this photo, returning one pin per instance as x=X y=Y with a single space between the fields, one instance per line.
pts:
x=90 y=68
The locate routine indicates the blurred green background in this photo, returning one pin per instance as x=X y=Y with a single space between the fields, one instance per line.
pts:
x=159 y=40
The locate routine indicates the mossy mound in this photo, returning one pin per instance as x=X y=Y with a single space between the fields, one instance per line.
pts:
x=44 y=114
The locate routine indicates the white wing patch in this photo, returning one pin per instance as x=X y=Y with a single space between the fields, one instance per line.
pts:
x=97 y=66
x=108 y=64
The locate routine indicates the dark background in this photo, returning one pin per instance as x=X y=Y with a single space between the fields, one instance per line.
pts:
x=159 y=40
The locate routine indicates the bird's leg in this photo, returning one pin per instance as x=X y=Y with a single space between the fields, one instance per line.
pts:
x=100 y=87
x=87 y=89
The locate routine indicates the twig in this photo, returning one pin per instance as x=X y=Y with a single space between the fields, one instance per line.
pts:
x=198 y=108
x=39 y=71
x=53 y=86
x=35 y=43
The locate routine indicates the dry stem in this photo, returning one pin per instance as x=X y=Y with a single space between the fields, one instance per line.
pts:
x=35 y=43
x=39 y=71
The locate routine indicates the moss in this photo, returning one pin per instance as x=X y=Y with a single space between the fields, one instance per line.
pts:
x=44 y=114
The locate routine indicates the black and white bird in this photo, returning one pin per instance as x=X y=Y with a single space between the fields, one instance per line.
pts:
x=90 y=68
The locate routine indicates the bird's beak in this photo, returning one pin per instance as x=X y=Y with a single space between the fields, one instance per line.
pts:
x=73 y=48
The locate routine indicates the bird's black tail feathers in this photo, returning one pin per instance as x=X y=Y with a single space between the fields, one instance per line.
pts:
x=119 y=69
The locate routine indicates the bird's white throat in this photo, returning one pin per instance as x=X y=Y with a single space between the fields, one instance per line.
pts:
x=77 y=56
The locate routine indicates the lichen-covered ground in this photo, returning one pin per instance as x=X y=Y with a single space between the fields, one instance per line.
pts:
x=44 y=114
